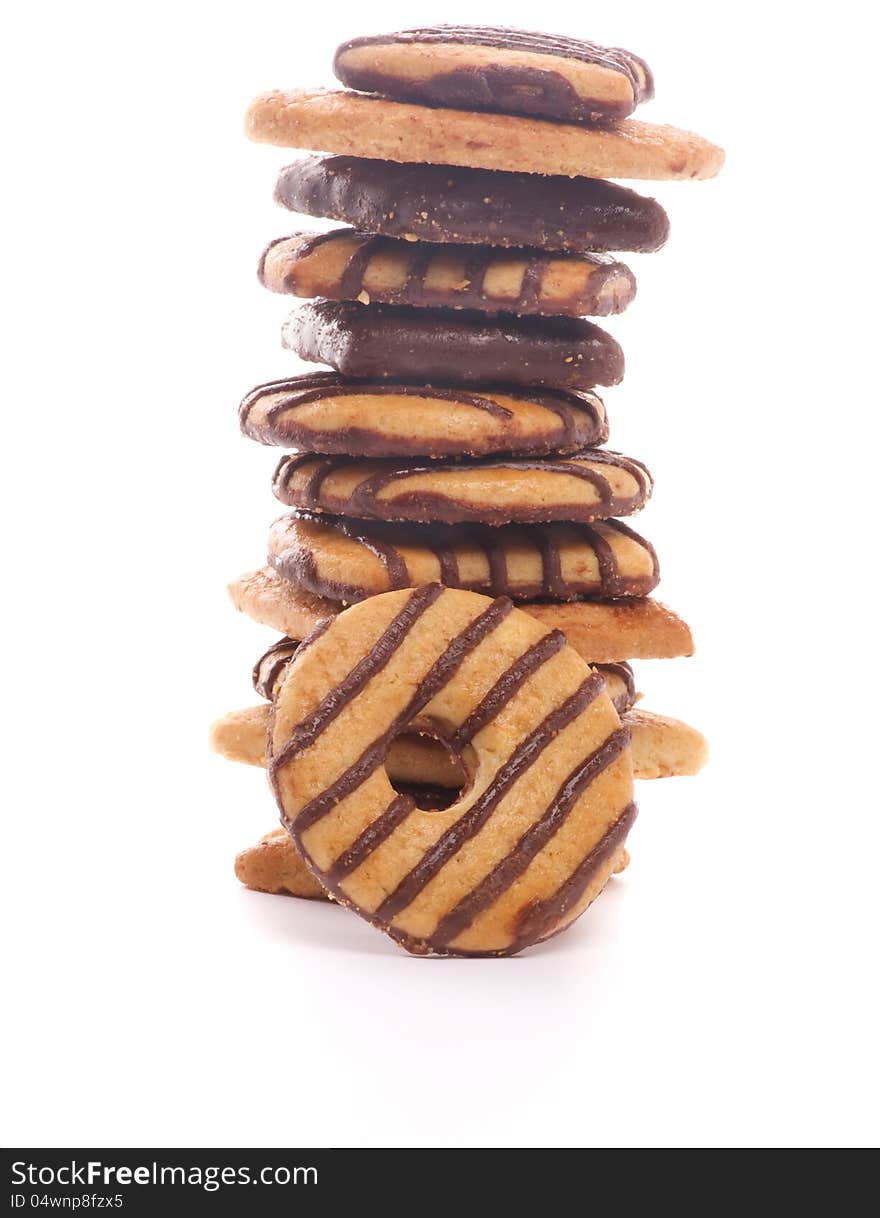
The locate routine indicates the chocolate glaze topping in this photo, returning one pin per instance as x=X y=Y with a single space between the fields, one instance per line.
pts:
x=383 y=540
x=388 y=342
x=447 y=203
x=502 y=86
x=364 y=502
x=581 y=420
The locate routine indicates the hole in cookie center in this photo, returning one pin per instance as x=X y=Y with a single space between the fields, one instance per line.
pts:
x=422 y=765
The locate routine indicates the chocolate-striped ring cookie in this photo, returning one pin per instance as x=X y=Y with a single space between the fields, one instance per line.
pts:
x=635 y=628
x=356 y=124
x=496 y=68
x=348 y=560
x=537 y=830
x=473 y=206
x=593 y=484
x=324 y=413
x=347 y=265
x=391 y=342
x=661 y=748
x=269 y=671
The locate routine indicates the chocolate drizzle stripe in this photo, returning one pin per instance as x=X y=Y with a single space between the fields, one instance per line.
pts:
x=619 y=527
x=496 y=557
x=434 y=680
x=308 y=731
x=445 y=555
x=609 y=572
x=624 y=674
x=506 y=686
x=543 y=917
x=532 y=842
x=351 y=281
x=469 y=824
x=372 y=837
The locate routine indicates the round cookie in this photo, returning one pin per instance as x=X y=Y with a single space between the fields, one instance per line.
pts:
x=272 y=665
x=348 y=560
x=347 y=265
x=388 y=342
x=442 y=203
x=498 y=68
x=601 y=631
x=359 y=125
x=322 y=412
x=593 y=484
x=525 y=847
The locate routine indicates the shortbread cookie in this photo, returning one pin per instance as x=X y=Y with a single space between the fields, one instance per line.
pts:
x=600 y=631
x=594 y=484
x=661 y=747
x=272 y=665
x=357 y=125
x=272 y=601
x=443 y=203
x=273 y=865
x=664 y=747
x=322 y=412
x=496 y=68
x=347 y=265
x=608 y=630
x=526 y=847
x=382 y=342
x=348 y=560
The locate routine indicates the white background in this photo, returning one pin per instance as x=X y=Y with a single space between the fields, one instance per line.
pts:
x=724 y=992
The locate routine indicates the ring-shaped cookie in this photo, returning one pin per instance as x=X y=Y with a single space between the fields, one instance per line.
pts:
x=537 y=830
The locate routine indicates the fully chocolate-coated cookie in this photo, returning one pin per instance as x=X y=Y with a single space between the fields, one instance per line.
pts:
x=628 y=628
x=347 y=265
x=360 y=124
x=386 y=342
x=541 y=822
x=473 y=206
x=497 y=68
x=348 y=560
x=322 y=412
x=593 y=484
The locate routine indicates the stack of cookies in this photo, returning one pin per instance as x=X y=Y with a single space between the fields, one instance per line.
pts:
x=457 y=769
